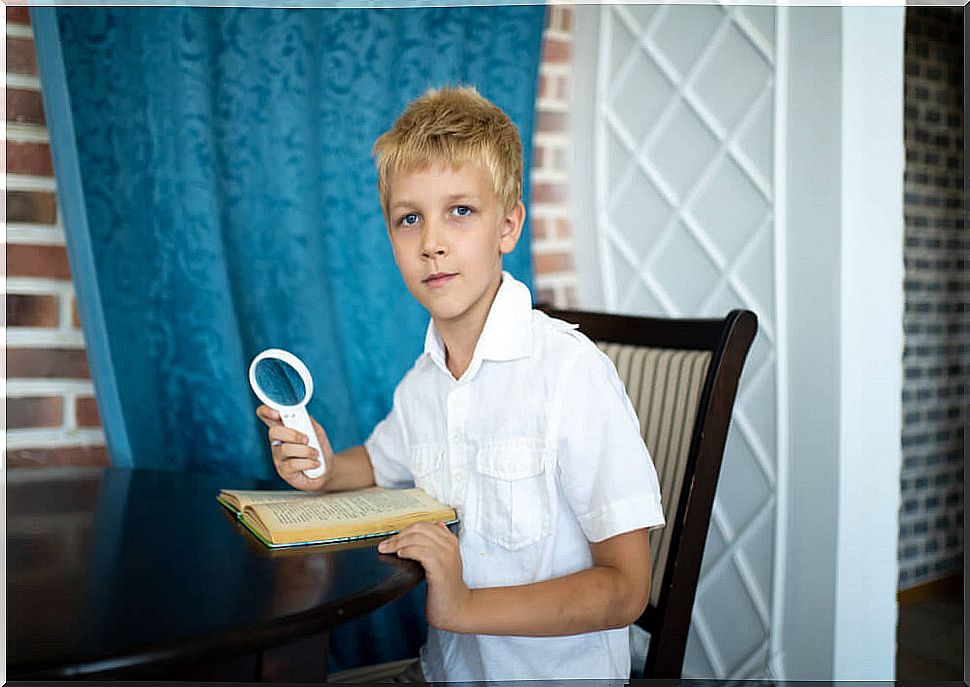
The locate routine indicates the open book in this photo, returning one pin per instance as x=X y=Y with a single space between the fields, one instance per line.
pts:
x=292 y=518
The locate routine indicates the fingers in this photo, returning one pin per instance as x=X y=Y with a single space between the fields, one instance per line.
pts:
x=434 y=548
x=287 y=436
x=420 y=534
x=270 y=417
x=291 y=453
x=292 y=471
x=295 y=452
x=280 y=434
x=425 y=552
x=425 y=555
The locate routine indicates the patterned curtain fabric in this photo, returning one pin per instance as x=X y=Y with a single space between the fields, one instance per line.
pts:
x=232 y=202
x=232 y=206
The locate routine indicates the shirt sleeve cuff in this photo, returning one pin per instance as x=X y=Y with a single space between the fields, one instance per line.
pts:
x=630 y=514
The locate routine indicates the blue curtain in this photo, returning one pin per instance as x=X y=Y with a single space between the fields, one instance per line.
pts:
x=231 y=202
x=219 y=198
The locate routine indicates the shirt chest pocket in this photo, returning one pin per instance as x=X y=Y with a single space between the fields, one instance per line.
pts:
x=513 y=498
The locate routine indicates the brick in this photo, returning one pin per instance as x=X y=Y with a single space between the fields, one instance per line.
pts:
x=21 y=58
x=26 y=260
x=45 y=411
x=47 y=363
x=549 y=263
x=565 y=18
x=539 y=230
x=563 y=228
x=18 y=15
x=25 y=107
x=562 y=87
x=29 y=158
x=87 y=412
x=544 y=89
x=75 y=316
x=556 y=51
x=29 y=310
x=559 y=18
x=552 y=122
x=31 y=206
x=58 y=457
x=538 y=156
x=546 y=192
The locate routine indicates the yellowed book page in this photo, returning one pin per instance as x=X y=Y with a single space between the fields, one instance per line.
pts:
x=346 y=514
x=239 y=498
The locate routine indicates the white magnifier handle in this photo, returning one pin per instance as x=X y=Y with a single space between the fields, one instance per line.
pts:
x=298 y=419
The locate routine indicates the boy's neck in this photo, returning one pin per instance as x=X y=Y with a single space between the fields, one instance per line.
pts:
x=460 y=336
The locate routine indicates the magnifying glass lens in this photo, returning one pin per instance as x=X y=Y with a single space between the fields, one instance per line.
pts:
x=280 y=382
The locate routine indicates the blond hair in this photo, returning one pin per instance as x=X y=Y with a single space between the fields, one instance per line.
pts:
x=455 y=126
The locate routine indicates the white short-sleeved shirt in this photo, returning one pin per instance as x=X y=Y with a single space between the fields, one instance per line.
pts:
x=538 y=448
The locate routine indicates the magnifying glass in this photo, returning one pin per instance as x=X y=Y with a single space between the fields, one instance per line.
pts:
x=283 y=382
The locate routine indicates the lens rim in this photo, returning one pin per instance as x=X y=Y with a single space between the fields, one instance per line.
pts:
x=286 y=357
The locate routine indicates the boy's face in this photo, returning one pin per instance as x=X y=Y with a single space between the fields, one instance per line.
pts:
x=449 y=232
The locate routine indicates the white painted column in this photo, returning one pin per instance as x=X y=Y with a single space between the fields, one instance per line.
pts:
x=871 y=323
x=845 y=285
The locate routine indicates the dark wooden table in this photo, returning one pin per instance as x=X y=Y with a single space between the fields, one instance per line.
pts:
x=130 y=573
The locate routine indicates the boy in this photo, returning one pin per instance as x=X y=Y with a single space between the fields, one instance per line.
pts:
x=513 y=418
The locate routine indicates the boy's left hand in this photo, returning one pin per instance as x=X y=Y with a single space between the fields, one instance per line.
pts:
x=436 y=549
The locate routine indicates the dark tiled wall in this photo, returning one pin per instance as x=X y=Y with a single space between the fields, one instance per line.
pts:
x=936 y=358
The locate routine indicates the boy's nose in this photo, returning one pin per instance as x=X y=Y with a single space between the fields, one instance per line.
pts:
x=432 y=243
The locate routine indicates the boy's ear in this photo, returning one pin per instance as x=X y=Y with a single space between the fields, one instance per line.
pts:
x=512 y=228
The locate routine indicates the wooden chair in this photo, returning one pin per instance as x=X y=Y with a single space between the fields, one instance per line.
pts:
x=682 y=376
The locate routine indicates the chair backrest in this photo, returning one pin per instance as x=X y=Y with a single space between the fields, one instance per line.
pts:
x=682 y=377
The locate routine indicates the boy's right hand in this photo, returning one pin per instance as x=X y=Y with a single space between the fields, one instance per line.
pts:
x=292 y=455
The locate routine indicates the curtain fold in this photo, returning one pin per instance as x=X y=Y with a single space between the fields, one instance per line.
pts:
x=229 y=204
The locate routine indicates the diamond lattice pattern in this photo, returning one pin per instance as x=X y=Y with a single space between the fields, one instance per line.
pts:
x=684 y=134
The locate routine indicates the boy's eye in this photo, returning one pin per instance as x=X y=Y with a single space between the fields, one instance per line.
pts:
x=461 y=211
x=409 y=219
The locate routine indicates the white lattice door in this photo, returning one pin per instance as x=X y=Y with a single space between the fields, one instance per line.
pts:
x=683 y=217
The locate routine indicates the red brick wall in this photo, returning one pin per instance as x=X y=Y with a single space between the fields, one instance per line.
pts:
x=51 y=413
x=52 y=416
x=552 y=237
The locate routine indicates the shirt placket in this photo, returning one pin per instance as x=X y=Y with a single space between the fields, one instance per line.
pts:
x=458 y=447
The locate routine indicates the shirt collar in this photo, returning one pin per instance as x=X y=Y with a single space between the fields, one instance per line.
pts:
x=507 y=334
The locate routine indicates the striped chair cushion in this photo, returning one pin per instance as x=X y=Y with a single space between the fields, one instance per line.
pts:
x=665 y=387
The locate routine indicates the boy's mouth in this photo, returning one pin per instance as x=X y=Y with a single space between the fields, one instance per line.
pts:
x=439 y=278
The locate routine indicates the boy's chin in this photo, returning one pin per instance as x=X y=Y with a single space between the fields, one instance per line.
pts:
x=447 y=313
